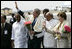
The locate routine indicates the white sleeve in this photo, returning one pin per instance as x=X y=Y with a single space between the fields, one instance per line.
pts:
x=18 y=10
x=13 y=35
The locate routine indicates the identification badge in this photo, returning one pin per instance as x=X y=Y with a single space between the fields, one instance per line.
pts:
x=5 y=32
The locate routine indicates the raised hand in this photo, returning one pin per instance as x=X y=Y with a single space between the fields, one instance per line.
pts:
x=16 y=5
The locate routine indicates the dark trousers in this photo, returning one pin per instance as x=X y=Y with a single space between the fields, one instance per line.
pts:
x=5 y=45
x=35 y=42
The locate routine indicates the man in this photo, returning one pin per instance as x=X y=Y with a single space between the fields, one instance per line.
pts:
x=36 y=28
x=50 y=23
x=12 y=20
x=44 y=19
x=5 y=33
x=19 y=33
x=45 y=11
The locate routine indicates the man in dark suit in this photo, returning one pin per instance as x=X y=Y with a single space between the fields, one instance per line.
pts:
x=5 y=33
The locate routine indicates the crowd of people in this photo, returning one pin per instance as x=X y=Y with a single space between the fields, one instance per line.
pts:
x=46 y=30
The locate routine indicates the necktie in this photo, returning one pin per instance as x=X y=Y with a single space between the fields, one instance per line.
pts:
x=33 y=23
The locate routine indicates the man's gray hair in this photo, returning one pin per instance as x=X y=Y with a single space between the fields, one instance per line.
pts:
x=37 y=11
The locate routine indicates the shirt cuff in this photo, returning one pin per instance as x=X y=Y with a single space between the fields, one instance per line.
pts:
x=18 y=10
x=12 y=38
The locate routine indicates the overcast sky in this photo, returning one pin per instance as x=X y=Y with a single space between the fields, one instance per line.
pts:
x=30 y=5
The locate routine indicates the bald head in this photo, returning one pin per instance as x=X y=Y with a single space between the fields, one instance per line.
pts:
x=49 y=16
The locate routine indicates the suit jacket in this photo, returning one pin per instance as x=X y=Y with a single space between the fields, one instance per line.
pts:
x=21 y=13
x=12 y=20
x=6 y=36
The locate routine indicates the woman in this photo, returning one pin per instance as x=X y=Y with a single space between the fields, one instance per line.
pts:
x=63 y=41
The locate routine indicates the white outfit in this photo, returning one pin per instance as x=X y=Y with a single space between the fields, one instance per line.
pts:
x=19 y=35
x=49 y=40
x=63 y=42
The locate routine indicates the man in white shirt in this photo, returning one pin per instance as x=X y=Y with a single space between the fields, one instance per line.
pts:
x=19 y=33
x=49 y=40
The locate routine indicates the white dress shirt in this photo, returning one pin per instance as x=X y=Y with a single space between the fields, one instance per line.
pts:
x=19 y=34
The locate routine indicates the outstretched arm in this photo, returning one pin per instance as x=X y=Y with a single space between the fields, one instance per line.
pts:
x=16 y=5
x=19 y=11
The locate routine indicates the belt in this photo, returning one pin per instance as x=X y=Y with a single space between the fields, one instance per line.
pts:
x=37 y=33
